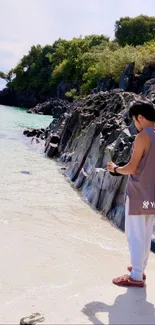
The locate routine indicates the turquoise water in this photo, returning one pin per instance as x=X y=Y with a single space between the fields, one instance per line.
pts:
x=53 y=245
x=12 y=123
x=17 y=156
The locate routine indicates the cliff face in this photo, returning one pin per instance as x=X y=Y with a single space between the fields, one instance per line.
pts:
x=96 y=130
x=90 y=133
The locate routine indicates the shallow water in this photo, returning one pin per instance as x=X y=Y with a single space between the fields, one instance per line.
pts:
x=57 y=254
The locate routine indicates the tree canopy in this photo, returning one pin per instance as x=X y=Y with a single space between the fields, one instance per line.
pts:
x=82 y=61
x=135 y=31
x=43 y=68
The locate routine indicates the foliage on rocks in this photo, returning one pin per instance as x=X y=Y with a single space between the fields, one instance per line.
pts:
x=82 y=62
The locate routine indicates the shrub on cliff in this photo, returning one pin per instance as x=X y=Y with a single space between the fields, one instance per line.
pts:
x=111 y=63
x=72 y=94
x=145 y=55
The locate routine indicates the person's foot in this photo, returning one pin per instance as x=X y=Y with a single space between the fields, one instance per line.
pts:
x=127 y=281
x=130 y=270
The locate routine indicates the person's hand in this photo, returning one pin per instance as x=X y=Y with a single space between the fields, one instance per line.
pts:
x=110 y=166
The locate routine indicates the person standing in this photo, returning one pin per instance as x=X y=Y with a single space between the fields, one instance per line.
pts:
x=140 y=193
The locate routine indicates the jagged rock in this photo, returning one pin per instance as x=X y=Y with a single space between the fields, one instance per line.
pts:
x=149 y=89
x=38 y=133
x=105 y=84
x=148 y=73
x=51 y=145
x=95 y=130
x=65 y=87
x=148 y=86
x=136 y=83
x=53 y=125
x=54 y=107
x=129 y=81
x=30 y=132
x=127 y=77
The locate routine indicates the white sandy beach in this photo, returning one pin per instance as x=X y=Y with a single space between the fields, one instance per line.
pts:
x=60 y=262
x=57 y=256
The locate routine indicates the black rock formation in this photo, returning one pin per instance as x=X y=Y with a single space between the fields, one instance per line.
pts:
x=54 y=107
x=97 y=129
x=93 y=131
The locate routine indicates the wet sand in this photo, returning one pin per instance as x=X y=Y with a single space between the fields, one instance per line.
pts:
x=58 y=258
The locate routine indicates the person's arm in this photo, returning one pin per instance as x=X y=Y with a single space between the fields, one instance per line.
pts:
x=141 y=143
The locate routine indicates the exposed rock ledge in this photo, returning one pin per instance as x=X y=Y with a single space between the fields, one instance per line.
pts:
x=96 y=130
x=54 y=107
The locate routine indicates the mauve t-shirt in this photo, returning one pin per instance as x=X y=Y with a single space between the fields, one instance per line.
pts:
x=141 y=186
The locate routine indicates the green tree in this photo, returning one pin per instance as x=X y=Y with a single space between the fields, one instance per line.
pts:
x=145 y=55
x=78 y=56
x=33 y=72
x=6 y=76
x=82 y=61
x=135 y=31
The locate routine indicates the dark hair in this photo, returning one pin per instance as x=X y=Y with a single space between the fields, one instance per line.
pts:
x=146 y=109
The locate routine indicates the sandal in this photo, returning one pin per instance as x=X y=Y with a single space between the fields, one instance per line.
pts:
x=130 y=270
x=32 y=319
x=126 y=281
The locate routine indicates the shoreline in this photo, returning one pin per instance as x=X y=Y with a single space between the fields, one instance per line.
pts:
x=66 y=261
x=85 y=138
x=64 y=255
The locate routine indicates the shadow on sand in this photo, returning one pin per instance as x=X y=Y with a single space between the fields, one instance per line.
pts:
x=129 y=308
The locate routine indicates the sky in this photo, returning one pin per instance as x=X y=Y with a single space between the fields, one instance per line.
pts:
x=24 y=23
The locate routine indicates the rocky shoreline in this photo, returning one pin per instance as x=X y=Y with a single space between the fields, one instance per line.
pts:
x=54 y=107
x=97 y=131
x=86 y=133
x=91 y=132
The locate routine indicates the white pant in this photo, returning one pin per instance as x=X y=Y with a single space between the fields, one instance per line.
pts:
x=139 y=232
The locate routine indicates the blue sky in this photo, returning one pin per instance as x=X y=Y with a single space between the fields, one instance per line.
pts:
x=24 y=23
